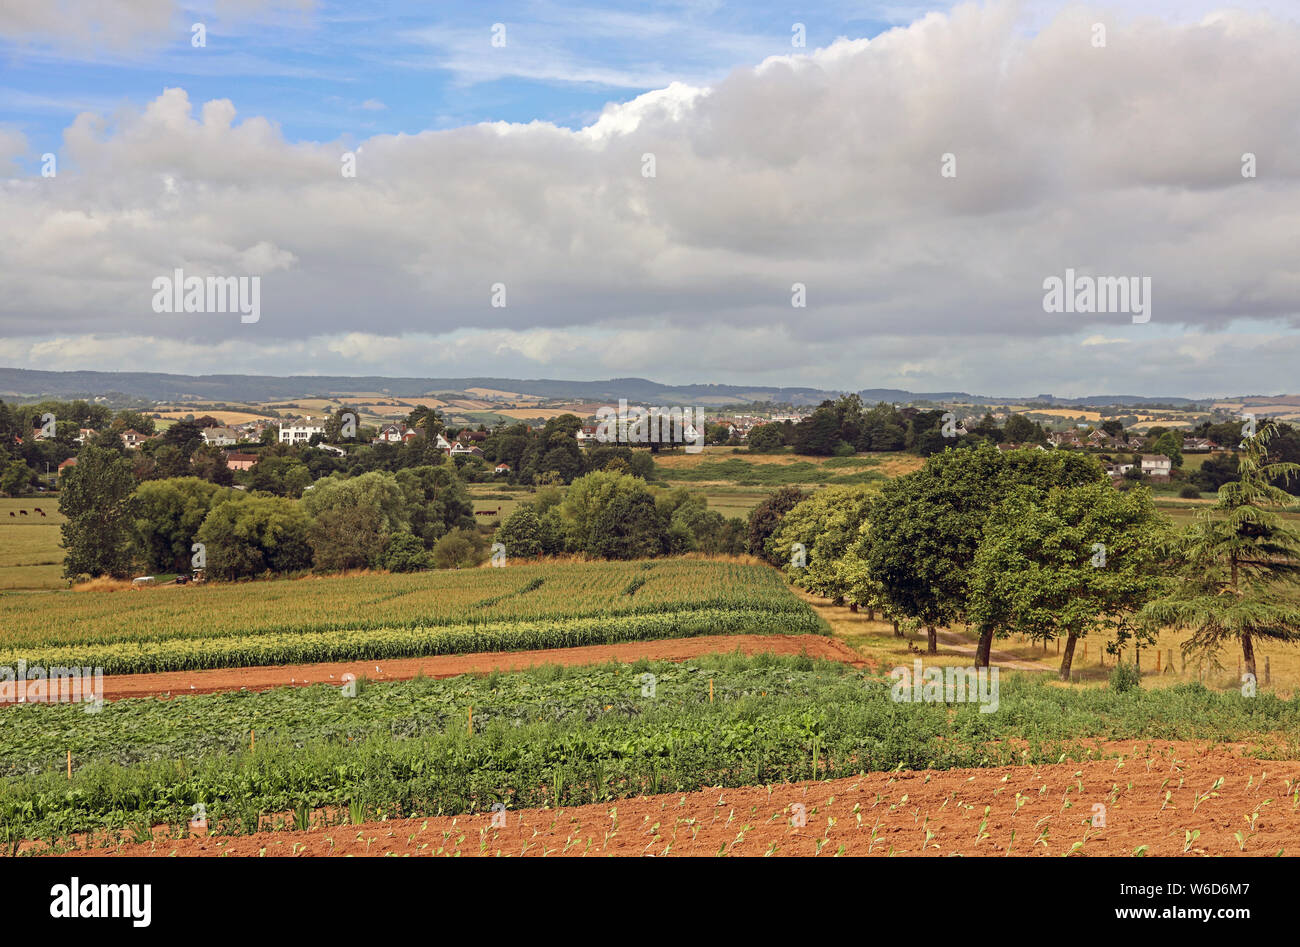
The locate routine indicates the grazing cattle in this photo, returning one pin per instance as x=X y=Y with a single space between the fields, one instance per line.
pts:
x=23 y=512
x=37 y=509
x=42 y=512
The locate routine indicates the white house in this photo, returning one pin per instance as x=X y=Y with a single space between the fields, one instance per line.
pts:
x=1157 y=466
x=391 y=434
x=219 y=436
x=300 y=431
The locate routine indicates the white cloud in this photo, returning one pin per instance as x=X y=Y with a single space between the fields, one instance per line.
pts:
x=822 y=169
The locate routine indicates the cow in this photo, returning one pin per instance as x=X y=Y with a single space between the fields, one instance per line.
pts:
x=23 y=512
x=12 y=513
x=37 y=509
x=42 y=512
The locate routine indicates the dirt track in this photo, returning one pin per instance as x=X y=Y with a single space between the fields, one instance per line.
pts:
x=1048 y=808
x=170 y=683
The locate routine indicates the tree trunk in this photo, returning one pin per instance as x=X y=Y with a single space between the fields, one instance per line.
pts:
x=853 y=606
x=898 y=632
x=933 y=646
x=985 y=647
x=1068 y=658
x=1248 y=652
x=871 y=614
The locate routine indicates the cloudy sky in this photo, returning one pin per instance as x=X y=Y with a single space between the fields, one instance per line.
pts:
x=919 y=168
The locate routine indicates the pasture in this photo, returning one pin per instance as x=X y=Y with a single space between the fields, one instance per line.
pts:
x=31 y=553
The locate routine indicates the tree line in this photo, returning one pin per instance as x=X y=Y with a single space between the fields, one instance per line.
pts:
x=1040 y=544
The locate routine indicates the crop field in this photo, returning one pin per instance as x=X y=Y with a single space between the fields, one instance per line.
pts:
x=370 y=616
x=555 y=737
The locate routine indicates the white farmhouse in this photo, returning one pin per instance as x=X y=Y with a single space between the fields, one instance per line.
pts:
x=300 y=431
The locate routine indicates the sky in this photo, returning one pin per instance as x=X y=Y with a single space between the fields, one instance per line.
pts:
x=841 y=195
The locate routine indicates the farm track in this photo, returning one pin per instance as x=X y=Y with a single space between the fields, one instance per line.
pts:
x=171 y=683
x=897 y=810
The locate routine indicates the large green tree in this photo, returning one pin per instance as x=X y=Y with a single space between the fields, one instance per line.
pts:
x=97 y=498
x=926 y=527
x=765 y=518
x=1240 y=563
x=1076 y=561
x=168 y=514
x=824 y=525
x=247 y=535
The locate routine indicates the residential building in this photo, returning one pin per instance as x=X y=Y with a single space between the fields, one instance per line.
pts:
x=237 y=460
x=133 y=438
x=391 y=434
x=300 y=430
x=1157 y=466
x=220 y=436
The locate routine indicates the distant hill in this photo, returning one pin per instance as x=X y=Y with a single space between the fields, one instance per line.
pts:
x=27 y=384
x=21 y=383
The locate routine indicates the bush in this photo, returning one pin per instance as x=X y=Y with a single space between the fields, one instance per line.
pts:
x=1125 y=677
x=1190 y=492
x=459 y=548
x=405 y=553
x=521 y=534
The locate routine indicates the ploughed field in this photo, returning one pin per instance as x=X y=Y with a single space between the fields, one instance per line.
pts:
x=518 y=607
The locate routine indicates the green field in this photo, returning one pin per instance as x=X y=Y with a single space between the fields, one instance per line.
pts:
x=372 y=616
x=31 y=556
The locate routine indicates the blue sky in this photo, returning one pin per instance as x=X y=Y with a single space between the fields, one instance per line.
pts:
x=353 y=70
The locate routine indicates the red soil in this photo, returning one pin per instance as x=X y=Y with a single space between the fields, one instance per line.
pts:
x=937 y=813
x=169 y=683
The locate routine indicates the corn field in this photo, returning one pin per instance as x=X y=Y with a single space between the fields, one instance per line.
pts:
x=387 y=616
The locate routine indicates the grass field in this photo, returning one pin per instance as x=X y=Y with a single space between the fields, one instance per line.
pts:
x=371 y=616
x=31 y=556
x=1091 y=667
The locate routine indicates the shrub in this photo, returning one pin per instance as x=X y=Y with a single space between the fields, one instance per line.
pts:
x=1125 y=677
x=521 y=534
x=1190 y=492
x=405 y=553
x=459 y=548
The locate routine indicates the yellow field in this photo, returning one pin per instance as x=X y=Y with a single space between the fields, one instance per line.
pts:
x=385 y=410
x=1055 y=413
x=225 y=417
x=494 y=393
x=309 y=404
